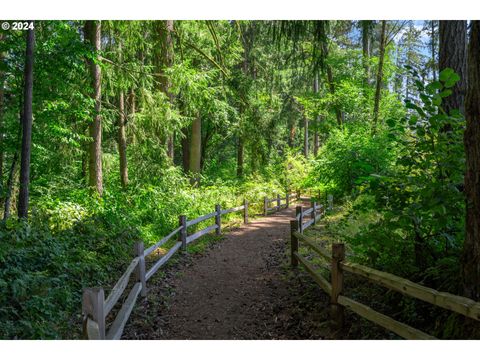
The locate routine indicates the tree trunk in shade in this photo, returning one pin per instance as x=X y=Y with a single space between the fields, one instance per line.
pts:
x=27 y=119
x=165 y=60
x=93 y=38
x=471 y=246
x=331 y=83
x=366 y=24
x=196 y=150
x=432 y=49
x=378 y=88
x=453 y=54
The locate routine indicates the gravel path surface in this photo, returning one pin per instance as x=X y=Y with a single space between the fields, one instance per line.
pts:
x=240 y=288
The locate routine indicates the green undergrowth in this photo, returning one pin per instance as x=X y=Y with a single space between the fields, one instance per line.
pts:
x=344 y=225
x=73 y=241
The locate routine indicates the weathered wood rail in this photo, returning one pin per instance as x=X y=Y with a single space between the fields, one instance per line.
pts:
x=95 y=308
x=278 y=203
x=315 y=211
x=338 y=302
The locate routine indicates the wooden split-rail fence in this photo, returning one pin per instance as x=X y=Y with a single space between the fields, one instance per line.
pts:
x=338 y=265
x=95 y=308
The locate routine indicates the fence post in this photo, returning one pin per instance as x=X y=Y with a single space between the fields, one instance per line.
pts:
x=218 y=219
x=287 y=200
x=93 y=302
x=314 y=212
x=337 y=311
x=139 y=251
x=182 y=235
x=298 y=194
x=293 y=242
x=245 y=211
x=265 y=206
x=278 y=202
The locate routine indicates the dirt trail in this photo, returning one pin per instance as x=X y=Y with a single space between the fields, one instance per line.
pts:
x=240 y=288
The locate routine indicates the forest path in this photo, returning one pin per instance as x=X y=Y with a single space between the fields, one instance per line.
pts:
x=240 y=288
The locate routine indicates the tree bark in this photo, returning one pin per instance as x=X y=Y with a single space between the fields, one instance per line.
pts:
x=331 y=84
x=165 y=61
x=432 y=48
x=366 y=24
x=291 y=134
x=27 y=119
x=378 y=88
x=471 y=247
x=93 y=38
x=10 y=186
x=122 y=141
x=196 y=150
x=453 y=54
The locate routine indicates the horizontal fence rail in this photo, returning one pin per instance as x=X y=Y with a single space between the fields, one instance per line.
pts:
x=455 y=303
x=278 y=203
x=334 y=288
x=163 y=260
x=315 y=212
x=162 y=242
x=95 y=308
x=119 y=287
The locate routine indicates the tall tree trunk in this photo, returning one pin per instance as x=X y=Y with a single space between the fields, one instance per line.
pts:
x=331 y=84
x=366 y=25
x=291 y=135
x=471 y=246
x=10 y=186
x=248 y=69
x=165 y=60
x=27 y=119
x=316 y=142
x=453 y=54
x=378 y=88
x=240 y=154
x=93 y=38
x=434 y=72
x=122 y=141
x=196 y=150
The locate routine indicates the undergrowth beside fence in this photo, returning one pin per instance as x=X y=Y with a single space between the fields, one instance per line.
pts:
x=71 y=243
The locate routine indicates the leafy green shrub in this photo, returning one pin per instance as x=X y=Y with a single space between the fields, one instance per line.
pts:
x=350 y=158
x=75 y=240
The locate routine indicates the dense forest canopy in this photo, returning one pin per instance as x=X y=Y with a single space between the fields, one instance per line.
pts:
x=111 y=129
